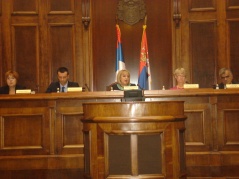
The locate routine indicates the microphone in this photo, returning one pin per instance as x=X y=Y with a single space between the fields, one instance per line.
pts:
x=87 y=87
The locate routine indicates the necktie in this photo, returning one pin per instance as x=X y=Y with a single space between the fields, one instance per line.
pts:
x=63 y=89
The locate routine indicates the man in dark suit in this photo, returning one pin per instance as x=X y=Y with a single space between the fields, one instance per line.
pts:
x=63 y=83
x=226 y=77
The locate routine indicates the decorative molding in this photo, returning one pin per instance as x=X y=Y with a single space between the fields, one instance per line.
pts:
x=86 y=13
x=176 y=15
x=131 y=11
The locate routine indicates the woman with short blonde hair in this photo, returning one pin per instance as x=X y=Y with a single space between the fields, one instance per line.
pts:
x=180 y=76
x=123 y=79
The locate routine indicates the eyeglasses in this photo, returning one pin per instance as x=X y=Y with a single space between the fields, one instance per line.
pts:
x=224 y=77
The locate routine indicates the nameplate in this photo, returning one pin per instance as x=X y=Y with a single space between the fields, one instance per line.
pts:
x=74 y=89
x=229 y=86
x=24 y=91
x=131 y=87
x=190 y=86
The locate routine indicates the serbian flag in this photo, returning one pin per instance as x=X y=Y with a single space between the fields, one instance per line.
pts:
x=144 y=80
x=120 y=64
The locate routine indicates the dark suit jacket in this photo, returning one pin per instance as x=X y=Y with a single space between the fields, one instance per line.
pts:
x=221 y=85
x=116 y=86
x=54 y=85
x=5 y=89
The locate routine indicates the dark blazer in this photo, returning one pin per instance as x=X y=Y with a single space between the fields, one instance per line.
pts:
x=117 y=86
x=54 y=85
x=221 y=85
x=5 y=89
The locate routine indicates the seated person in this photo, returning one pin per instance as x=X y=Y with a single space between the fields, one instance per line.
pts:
x=62 y=84
x=123 y=79
x=11 y=79
x=226 y=77
x=180 y=76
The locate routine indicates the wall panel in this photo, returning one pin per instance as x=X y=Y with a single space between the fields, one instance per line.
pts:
x=62 y=48
x=200 y=5
x=25 y=6
x=24 y=132
x=69 y=139
x=0 y=7
x=197 y=136
x=61 y=6
x=26 y=53
x=234 y=46
x=203 y=53
x=2 y=76
x=231 y=121
x=233 y=4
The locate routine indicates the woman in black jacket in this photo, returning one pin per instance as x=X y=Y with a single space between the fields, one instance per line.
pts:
x=11 y=79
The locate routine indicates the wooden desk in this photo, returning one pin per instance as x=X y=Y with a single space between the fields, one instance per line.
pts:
x=44 y=132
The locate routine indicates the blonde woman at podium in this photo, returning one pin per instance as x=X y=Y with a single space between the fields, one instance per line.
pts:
x=11 y=80
x=180 y=77
x=123 y=79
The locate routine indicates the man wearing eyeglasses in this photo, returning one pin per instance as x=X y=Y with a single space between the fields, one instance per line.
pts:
x=226 y=77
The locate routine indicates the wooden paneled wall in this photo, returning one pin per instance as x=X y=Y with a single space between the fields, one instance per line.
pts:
x=208 y=39
x=159 y=35
x=39 y=36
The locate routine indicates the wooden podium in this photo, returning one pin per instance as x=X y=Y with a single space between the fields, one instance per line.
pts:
x=134 y=140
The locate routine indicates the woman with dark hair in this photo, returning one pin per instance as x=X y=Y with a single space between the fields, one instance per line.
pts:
x=11 y=80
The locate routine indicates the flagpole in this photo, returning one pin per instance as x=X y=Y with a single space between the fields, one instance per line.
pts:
x=116 y=20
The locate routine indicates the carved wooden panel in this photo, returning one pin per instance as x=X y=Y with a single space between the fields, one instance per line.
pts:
x=234 y=46
x=197 y=134
x=72 y=130
x=228 y=122
x=61 y=6
x=202 y=5
x=25 y=6
x=192 y=136
x=69 y=136
x=62 y=45
x=15 y=128
x=233 y=4
x=1 y=8
x=24 y=132
x=231 y=121
x=2 y=77
x=26 y=54
x=203 y=53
